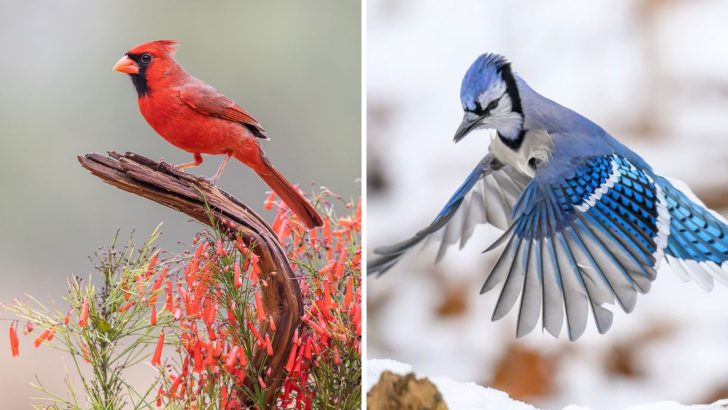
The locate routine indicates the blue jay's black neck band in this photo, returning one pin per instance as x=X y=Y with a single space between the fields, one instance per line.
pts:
x=511 y=88
x=514 y=143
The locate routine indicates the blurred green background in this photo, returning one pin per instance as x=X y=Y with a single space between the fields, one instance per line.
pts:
x=296 y=66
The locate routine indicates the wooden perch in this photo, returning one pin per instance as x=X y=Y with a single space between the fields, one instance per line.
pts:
x=161 y=183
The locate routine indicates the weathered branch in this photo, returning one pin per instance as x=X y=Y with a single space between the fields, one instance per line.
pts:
x=161 y=183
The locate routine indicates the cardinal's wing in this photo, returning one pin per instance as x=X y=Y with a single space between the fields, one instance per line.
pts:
x=209 y=101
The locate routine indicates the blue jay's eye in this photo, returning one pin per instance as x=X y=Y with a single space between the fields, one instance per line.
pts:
x=493 y=104
x=145 y=58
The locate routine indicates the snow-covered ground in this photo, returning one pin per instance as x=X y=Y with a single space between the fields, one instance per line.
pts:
x=655 y=74
x=470 y=396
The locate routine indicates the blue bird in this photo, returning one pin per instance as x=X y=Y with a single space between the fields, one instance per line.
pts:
x=586 y=221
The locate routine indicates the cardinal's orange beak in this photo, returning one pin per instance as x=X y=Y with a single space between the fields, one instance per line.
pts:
x=126 y=65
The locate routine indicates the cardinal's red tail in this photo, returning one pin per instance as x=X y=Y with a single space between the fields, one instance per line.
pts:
x=290 y=195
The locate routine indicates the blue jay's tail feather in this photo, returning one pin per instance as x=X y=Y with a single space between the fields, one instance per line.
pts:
x=698 y=244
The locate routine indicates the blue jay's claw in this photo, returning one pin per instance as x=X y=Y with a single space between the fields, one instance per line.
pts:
x=469 y=123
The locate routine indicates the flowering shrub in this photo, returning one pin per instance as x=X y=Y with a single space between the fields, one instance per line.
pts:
x=199 y=319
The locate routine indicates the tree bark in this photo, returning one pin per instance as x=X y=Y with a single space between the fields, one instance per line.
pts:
x=161 y=183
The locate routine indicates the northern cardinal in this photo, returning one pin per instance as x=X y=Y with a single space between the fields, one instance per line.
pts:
x=197 y=118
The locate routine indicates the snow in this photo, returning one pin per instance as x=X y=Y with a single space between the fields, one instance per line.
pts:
x=457 y=396
x=470 y=396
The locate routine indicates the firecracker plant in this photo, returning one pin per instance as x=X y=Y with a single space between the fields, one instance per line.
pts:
x=196 y=322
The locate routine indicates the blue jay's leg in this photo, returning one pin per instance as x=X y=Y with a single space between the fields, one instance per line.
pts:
x=581 y=240
x=698 y=243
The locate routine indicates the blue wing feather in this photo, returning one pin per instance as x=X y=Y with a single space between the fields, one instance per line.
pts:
x=602 y=224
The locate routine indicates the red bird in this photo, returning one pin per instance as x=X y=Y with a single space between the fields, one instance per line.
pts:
x=197 y=118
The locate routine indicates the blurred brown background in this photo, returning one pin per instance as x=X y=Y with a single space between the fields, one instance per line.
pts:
x=654 y=73
x=296 y=66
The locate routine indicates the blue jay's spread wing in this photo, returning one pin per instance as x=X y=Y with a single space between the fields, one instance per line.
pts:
x=486 y=196
x=581 y=241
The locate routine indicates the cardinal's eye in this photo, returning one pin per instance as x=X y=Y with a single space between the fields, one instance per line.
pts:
x=145 y=58
x=493 y=104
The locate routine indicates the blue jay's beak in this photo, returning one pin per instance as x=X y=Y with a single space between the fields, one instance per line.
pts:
x=469 y=123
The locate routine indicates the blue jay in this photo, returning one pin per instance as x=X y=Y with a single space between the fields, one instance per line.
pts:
x=586 y=221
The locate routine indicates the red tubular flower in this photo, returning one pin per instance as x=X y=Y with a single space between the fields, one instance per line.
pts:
x=241 y=379
x=125 y=289
x=340 y=264
x=85 y=353
x=220 y=249
x=157 y=358
x=127 y=306
x=327 y=296
x=236 y=280
x=169 y=303
x=46 y=335
x=337 y=356
x=349 y=291
x=197 y=355
x=291 y=359
x=313 y=239
x=210 y=317
x=231 y=312
x=224 y=398
x=272 y=323
x=175 y=385
x=327 y=230
x=151 y=265
x=139 y=283
x=153 y=320
x=255 y=270
x=276 y=225
x=182 y=293
x=14 y=342
x=154 y=292
x=320 y=330
x=254 y=331
x=307 y=349
x=83 y=318
x=210 y=358
x=259 y=307
x=356 y=260
x=268 y=345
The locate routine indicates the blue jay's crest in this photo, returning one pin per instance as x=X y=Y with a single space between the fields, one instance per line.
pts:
x=585 y=228
x=487 y=70
x=480 y=76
